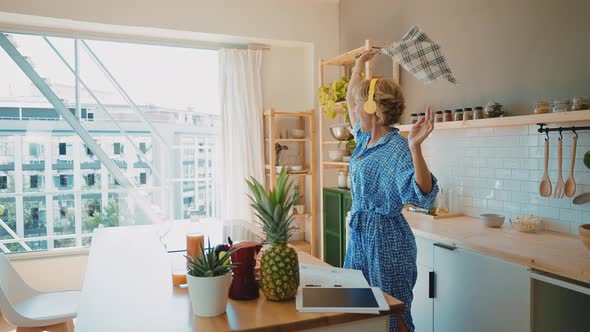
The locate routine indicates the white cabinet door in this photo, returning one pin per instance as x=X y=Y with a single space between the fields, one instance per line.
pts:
x=479 y=293
x=423 y=304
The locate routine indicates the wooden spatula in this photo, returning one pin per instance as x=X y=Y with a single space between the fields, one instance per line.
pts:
x=545 y=186
x=570 y=183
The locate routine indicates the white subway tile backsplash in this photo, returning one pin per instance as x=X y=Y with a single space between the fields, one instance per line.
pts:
x=500 y=169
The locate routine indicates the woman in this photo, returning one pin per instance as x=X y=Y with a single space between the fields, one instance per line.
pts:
x=387 y=172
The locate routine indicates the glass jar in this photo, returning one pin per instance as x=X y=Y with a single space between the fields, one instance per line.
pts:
x=447 y=116
x=421 y=116
x=577 y=104
x=438 y=116
x=468 y=113
x=478 y=113
x=413 y=118
x=458 y=116
x=542 y=107
x=342 y=179
x=561 y=105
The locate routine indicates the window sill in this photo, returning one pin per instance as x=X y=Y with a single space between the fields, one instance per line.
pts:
x=48 y=254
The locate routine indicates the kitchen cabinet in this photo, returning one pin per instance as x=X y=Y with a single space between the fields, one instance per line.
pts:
x=337 y=203
x=423 y=303
x=474 y=292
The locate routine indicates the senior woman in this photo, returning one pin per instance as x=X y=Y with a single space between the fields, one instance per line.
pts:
x=387 y=172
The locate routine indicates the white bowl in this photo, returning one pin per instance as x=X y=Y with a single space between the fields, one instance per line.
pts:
x=297 y=133
x=492 y=220
x=280 y=168
x=335 y=155
x=296 y=168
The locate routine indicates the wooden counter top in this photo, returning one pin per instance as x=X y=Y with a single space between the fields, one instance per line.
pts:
x=557 y=253
x=128 y=287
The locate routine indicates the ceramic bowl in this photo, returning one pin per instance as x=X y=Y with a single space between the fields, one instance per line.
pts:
x=585 y=234
x=296 y=168
x=492 y=220
x=297 y=133
x=279 y=168
x=335 y=155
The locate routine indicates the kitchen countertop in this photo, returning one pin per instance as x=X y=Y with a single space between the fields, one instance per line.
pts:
x=557 y=253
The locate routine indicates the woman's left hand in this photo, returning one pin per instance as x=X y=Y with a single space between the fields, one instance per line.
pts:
x=421 y=129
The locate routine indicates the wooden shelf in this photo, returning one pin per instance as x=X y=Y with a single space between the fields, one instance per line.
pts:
x=301 y=245
x=332 y=142
x=335 y=164
x=288 y=114
x=517 y=120
x=290 y=139
x=294 y=174
x=347 y=58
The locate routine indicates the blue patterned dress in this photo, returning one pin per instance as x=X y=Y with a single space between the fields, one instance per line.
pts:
x=381 y=243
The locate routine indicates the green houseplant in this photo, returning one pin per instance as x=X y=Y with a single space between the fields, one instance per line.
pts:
x=209 y=279
x=279 y=264
x=332 y=98
x=297 y=206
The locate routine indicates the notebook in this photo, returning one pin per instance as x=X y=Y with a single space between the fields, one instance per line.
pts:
x=368 y=300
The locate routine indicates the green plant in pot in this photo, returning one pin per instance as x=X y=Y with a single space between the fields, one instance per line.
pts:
x=332 y=98
x=209 y=279
x=279 y=264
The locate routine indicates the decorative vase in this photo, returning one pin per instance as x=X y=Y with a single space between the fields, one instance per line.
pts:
x=209 y=295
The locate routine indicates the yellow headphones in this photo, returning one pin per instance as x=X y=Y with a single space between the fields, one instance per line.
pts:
x=370 y=104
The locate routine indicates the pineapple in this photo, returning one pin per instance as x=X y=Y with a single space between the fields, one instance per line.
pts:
x=279 y=265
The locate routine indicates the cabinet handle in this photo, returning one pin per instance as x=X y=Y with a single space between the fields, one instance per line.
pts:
x=431 y=285
x=445 y=246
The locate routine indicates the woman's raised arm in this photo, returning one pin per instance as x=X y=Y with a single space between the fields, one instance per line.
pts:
x=355 y=82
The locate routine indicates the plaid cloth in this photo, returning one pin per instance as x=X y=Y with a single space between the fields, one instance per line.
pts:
x=420 y=56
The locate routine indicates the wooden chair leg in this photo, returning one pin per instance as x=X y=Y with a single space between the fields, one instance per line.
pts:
x=67 y=326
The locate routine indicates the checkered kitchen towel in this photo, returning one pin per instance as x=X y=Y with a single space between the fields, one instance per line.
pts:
x=420 y=56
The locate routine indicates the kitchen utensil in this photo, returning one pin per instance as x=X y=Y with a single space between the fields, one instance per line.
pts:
x=570 y=183
x=587 y=159
x=335 y=155
x=244 y=285
x=297 y=133
x=558 y=193
x=584 y=230
x=429 y=212
x=341 y=132
x=526 y=224
x=492 y=220
x=545 y=186
x=582 y=199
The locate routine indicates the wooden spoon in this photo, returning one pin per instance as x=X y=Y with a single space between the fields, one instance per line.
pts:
x=582 y=199
x=545 y=187
x=559 y=185
x=570 y=183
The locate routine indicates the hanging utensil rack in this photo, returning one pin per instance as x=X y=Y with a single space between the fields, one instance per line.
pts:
x=542 y=129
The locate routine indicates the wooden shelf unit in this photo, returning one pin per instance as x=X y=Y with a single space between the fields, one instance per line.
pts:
x=305 y=121
x=517 y=120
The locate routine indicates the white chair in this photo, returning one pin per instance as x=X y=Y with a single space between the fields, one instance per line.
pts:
x=32 y=310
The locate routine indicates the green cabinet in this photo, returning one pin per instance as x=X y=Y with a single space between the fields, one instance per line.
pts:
x=337 y=203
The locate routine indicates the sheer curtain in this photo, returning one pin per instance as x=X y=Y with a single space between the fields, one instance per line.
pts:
x=241 y=122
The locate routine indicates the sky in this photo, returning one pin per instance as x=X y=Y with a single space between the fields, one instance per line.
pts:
x=174 y=77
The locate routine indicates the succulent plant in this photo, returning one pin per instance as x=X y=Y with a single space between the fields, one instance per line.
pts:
x=209 y=264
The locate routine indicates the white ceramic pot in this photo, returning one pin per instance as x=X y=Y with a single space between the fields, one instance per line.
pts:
x=209 y=295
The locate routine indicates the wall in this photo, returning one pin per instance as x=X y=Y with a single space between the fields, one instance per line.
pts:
x=498 y=170
x=299 y=32
x=513 y=52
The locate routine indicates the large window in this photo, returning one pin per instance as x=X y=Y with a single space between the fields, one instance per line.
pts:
x=153 y=110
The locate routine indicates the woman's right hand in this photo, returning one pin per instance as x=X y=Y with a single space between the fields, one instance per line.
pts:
x=365 y=56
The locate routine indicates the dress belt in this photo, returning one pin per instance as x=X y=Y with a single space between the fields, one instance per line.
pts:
x=355 y=221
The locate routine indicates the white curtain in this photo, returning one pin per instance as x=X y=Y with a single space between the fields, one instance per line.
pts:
x=242 y=136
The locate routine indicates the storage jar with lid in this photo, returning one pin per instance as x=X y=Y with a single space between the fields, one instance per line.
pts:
x=577 y=103
x=447 y=116
x=458 y=116
x=421 y=116
x=561 y=105
x=438 y=116
x=468 y=113
x=542 y=107
x=342 y=179
x=413 y=118
x=478 y=112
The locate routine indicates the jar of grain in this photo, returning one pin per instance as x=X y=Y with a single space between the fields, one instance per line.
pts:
x=413 y=118
x=458 y=116
x=577 y=104
x=468 y=113
x=478 y=112
x=447 y=116
x=438 y=116
x=561 y=105
x=542 y=107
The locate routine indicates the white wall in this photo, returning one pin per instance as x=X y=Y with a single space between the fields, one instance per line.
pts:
x=300 y=32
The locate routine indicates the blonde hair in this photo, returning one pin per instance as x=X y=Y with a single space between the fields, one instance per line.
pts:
x=389 y=99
